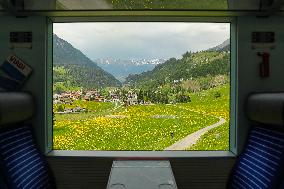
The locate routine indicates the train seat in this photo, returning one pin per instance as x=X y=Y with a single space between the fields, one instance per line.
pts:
x=21 y=163
x=261 y=164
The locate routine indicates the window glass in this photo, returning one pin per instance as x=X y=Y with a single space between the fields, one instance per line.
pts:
x=141 y=86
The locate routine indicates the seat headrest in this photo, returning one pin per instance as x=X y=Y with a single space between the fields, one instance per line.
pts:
x=266 y=108
x=15 y=107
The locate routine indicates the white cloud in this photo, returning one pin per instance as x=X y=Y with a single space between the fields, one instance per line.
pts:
x=141 y=39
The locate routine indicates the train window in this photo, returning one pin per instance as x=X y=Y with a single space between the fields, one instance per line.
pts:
x=141 y=86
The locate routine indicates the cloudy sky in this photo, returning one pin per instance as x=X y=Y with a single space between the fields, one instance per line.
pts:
x=141 y=40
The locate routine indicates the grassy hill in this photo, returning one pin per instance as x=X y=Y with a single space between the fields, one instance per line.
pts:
x=71 y=69
x=192 y=66
x=144 y=127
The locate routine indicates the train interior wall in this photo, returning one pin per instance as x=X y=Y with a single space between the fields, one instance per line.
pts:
x=92 y=172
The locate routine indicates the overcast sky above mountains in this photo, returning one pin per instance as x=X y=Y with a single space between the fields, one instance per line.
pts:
x=141 y=40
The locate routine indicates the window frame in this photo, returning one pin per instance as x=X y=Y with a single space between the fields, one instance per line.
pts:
x=232 y=152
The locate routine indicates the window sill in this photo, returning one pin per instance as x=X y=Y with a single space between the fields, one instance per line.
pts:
x=141 y=154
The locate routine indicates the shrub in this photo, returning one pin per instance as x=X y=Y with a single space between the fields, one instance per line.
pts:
x=217 y=94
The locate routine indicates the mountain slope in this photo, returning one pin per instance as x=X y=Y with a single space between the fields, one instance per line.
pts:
x=225 y=46
x=121 y=68
x=191 y=66
x=74 y=69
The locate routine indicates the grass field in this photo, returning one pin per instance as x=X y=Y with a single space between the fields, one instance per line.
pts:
x=217 y=138
x=170 y=4
x=144 y=127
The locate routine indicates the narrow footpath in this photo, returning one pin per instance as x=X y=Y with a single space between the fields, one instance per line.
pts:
x=191 y=139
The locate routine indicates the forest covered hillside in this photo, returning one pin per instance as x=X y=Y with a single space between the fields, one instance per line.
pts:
x=73 y=69
x=191 y=67
x=195 y=71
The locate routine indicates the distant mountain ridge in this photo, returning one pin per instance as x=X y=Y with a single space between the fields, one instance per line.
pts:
x=79 y=69
x=74 y=69
x=121 y=68
x=193 y=65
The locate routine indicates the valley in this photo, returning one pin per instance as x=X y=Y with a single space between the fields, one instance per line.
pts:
x=140 y=104
x=121 y=68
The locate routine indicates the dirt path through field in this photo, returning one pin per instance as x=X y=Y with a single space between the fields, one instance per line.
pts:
x=191 y=139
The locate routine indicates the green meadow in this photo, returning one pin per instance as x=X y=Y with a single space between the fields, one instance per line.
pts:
x=106 y=126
